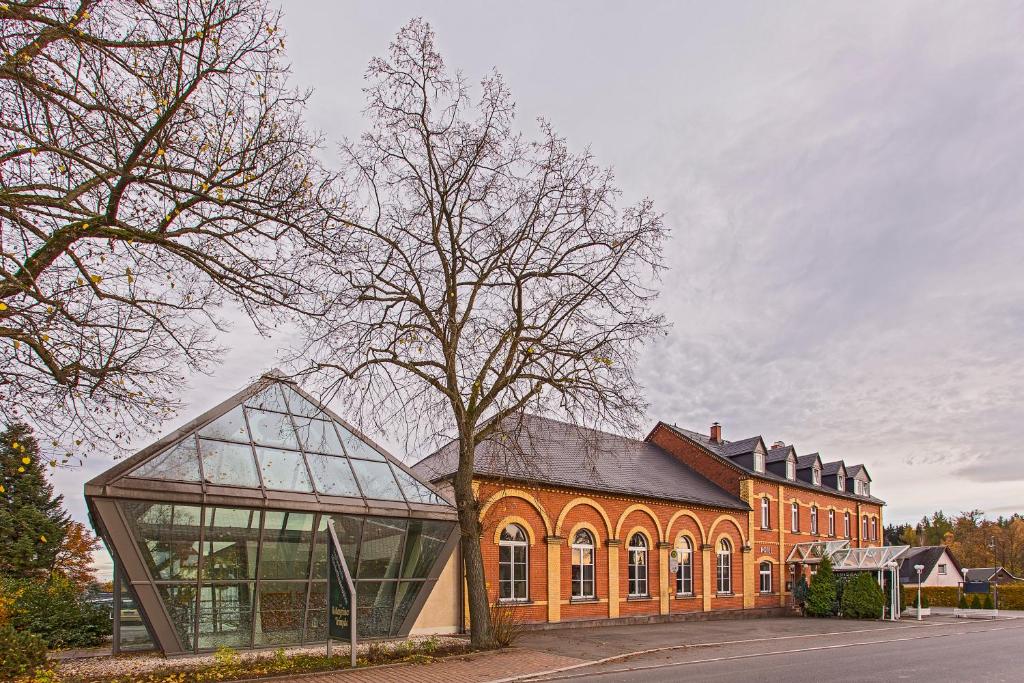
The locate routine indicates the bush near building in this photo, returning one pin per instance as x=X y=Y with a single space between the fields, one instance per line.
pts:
x=863 y=598
x=821 y=595
x=21 y=653
x=54 y=610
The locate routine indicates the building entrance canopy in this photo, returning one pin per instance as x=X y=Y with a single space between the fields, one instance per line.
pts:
x=844 y=558
x=219 y=531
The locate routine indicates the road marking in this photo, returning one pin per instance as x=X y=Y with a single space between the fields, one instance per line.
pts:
x=707 y=660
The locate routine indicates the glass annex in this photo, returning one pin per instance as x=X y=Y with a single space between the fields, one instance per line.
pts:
x=218 y=531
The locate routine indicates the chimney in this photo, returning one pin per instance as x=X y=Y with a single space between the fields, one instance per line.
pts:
x=716 y=433
x=779 y=444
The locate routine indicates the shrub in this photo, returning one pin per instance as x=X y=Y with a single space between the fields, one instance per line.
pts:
x=924 y=601
x=988 y=602
x=975 y=602
x=56 y=611
x=800 y=591
x=821 y=595
x=506 y=625
x=1011 y=596
x=863 y=598
x=963 y=602
x=21 y=653
x=939 y=596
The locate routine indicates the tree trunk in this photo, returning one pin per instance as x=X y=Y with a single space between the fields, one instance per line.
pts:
x=472 y=560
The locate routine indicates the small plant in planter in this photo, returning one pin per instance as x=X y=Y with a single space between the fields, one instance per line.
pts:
x=963 y=602
x=988 y=602
x=975 y=602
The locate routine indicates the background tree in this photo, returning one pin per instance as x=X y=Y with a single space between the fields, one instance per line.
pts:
x=32 y=519
x=479 y=275
x=153 y=167
x=74 y=558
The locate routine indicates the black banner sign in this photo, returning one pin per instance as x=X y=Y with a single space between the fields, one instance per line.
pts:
x=341 y=594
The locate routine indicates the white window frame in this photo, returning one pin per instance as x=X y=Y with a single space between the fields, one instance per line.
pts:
x=814 y=520
x=865 y=528
x=579 y=550
x=794 y=518
x=841 y=481
x=723 y=568
x=816 y=476
x=874 y=528
x=942 y=568
x=790 y=469
x=867 y=489
x=510 y=546
x=831 y=522
x=764 y=573
x=635 y=584
x=684 y=573
x=846 y=524
x=766 y=513
x=758 y=462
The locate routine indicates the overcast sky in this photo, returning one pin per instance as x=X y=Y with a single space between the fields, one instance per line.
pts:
x=844 y=188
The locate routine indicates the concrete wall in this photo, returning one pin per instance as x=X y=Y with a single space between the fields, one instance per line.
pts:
x=442 y=611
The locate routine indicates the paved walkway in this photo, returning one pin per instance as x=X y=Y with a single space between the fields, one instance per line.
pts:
x=476 y=668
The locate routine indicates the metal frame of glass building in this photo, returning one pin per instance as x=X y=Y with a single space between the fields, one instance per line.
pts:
x=218 y=531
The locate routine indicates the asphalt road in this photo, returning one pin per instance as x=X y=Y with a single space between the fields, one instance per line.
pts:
x=988 y=651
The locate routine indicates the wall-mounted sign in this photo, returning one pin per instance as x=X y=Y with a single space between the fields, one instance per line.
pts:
x=766 y=550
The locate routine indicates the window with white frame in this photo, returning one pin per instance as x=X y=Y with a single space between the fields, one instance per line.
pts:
x=814 y=519
x=724 y=573
x=513 y=564
x=583 y=565
x=874 y=529
x=831 y=522
x=864 y=530
x=765 y=574
x=846 y=524
x=942 y=568
x=766 y=513
x=816 y=475
x=867 y=489
x=684 y=573
x=758 y=461
x=794 y=522
x=841 y=480
x=637 y=565
x=790 y=469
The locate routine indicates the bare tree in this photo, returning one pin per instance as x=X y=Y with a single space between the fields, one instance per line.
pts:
x=479 y=276
x=154 y=167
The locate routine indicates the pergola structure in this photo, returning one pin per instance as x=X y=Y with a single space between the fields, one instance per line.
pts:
x=882 y=560
x=219 y=530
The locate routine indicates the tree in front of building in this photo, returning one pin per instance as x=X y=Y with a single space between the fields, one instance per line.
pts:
x=33 y=522
x=74 y=558
x=821 y=594
x=479 y=275
x=862 y=598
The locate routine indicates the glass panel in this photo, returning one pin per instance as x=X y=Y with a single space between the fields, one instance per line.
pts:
x=379 y=552
x=269 y=399
x=180 y=602
x=348 y=529
x=316 y=620
x=375 y=602
x=318 y=436
x=229 y=544
x=133 y=634
x=333 y=476
x=423 y=545
x=376 y=480
x=356 y=447
x=407 y=592
x=415 y=492
x=283 y=470
x=286 y=540
x=230 y=426
x=225 y=615
x=272 y=429
x=299 y=405
x=229 y=464
x=168 y=538
x=179 y=463
x=282 y=606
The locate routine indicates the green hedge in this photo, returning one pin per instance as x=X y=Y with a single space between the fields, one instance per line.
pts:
x=1011 y=596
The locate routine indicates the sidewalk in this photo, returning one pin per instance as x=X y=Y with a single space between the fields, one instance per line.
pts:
x=476 y=668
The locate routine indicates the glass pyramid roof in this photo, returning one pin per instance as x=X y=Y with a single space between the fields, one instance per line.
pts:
x=275 y=438
x=845 y=558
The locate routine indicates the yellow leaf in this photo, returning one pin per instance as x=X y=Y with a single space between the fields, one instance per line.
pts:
x=206 y=186
x=26 y=460
x=21 y=469
x=80 y=281
x=160 y=152
x=42 y=538
x=44 y=337
x=14 y=444
x=96 y=279
x=1 y=488
x=17 y=344
x=3 y=306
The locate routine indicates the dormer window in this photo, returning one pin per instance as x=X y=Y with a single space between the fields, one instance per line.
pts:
x=816 y=476
x=867 y=488
x=790 y=470
x=841 y=481
x=759 y=462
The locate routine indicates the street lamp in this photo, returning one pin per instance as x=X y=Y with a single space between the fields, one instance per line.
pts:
x=919 y=568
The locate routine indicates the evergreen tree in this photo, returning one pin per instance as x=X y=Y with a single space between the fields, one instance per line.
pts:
x=33 y=521
x=821 y=595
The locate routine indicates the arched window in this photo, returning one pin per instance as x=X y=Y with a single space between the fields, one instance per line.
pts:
x=724 y=573
x=814 y=520
x=766 y=516
x=684 y=574
x=583 y=565
x=846 y=524
x=638 y=565
x=765 y=574
x=831 y=522
x=874 y=529
x=513 y=564
x=795 y=522
x=864 y=528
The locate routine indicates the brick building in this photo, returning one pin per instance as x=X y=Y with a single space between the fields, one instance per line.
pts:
x=581 y=524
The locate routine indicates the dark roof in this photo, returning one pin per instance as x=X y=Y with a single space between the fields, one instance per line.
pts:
x=719 y=450
x=780 y=453
x=987 y=573
x=540 y=450
x=805 y=461
x=854 y=470
x=927 y=555
x=829 y=468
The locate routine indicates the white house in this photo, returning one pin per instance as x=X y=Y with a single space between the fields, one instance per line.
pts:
x=940 y=567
